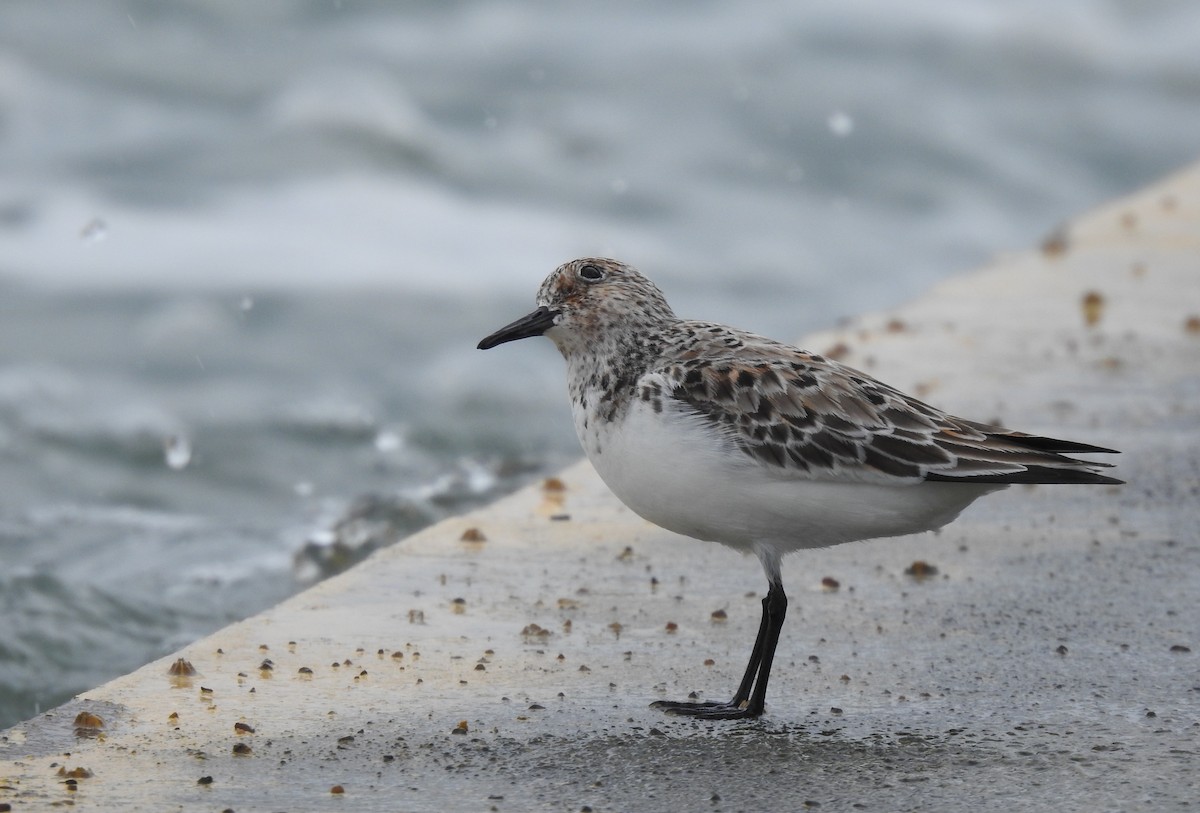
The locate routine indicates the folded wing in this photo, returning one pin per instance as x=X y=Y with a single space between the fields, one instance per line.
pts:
x=816 y=418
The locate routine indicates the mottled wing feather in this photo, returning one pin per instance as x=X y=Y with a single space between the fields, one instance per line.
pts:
x=819 y=419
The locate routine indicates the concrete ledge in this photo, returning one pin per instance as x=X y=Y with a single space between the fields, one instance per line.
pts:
x=504 y=660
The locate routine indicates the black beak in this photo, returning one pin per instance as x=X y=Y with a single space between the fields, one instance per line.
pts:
x=535 y=324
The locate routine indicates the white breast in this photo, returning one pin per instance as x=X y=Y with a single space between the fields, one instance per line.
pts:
x=675 y=470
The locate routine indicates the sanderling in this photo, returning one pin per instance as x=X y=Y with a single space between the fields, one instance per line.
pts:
x=726 y=436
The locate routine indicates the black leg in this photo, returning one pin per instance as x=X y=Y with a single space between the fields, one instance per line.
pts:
x=750 y=699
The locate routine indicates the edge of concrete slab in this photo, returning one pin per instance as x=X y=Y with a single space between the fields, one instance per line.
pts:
x=504 y=659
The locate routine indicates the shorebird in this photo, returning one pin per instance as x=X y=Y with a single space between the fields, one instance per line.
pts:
x=722 y=435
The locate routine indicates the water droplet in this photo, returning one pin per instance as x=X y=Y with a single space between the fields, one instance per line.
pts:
x=94 y=231
x=177 y=451
x=388 y=441
x=840 y=123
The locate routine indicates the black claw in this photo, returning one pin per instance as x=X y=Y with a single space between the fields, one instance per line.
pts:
x=669 y=705
x=706 y=711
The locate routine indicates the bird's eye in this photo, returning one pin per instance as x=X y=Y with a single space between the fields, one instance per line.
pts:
x=591 y=273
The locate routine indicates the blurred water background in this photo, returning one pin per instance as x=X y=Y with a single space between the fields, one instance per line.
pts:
x=246 y=248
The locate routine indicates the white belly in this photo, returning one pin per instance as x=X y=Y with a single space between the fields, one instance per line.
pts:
x=674 y=471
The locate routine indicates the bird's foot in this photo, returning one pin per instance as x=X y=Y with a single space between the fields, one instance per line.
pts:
x=707 y=711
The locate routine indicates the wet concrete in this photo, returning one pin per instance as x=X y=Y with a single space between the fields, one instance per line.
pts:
x=1050 y=662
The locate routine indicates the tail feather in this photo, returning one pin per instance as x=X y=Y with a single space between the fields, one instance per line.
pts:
x=1004 y=456
x=1035 y=474
x=1040 y=442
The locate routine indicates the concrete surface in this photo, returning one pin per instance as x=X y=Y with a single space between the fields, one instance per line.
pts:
x=1050 y=664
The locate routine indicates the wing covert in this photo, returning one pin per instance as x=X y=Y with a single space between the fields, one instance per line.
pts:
x=804 y=414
